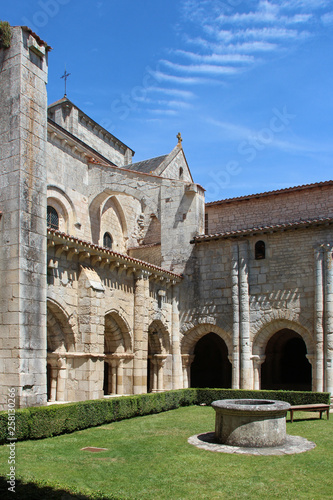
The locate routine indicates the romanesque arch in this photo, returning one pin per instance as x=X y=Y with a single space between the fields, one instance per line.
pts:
x=64 y=206
x=98 y=201
x=118 y=350
x=60 y=341
x=158 y=353
x=113 y=221
x=205 y=355
x=282 y=353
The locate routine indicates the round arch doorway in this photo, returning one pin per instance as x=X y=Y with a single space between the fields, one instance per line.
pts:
x=211 y=366
x=286 y=366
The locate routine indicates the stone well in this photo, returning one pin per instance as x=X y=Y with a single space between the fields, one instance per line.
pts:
x=250 y=422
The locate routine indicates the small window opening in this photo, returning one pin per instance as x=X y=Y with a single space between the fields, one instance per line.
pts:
x=52 y=218
x=260 y=251
x=181 y=173
x=107 y=240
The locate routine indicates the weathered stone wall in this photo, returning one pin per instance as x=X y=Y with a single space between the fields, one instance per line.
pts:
x=23 y=201
x=178 y=169
x=150 y=253
x=291 y=205
x=87 y=305
x=246 y=301
x=69 y=117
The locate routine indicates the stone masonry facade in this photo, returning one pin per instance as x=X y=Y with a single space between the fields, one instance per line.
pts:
x=117 y=277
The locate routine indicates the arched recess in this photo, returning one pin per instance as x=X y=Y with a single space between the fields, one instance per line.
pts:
x=113 y=221
x=261 y=338
x=98 y=201
x=158 y=352
x=282 y=354
x=211 y=347
x=64 y=206
x=117 y=350
x=60 y=341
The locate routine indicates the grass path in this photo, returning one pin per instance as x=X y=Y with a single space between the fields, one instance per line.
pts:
x=149 y=458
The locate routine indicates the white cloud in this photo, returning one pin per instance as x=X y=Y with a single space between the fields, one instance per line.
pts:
x=327 y=18
x=209 y=69
x=165 y=77
x=169 y=112
x=232 y=36
x=184 y=94
x=216 y=58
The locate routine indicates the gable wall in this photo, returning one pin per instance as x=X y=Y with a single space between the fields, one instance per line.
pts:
x=271 y=209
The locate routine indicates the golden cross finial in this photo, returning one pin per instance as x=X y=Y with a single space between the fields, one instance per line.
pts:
x=179 y=137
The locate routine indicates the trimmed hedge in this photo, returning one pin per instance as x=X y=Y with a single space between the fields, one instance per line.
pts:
x=207 y=396
x=48 y=421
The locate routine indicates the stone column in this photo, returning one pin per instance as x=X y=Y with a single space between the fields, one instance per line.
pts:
x=329 y=318
x=318 y=368
x=160 y=360
x=235 y=317
x=113 y=374
x=120 y=371
x=257 y=362
x=244 y=318
x=53 y=379
x=23 y=239
x=177 y=374
x=61 y=381
x=187 y=360
x=141 y=295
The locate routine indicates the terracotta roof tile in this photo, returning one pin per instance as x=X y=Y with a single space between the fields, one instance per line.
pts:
x=271 y=193
x=142 y=263
x=263 y=229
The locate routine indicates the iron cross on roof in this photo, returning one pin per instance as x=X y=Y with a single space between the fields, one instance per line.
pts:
x=65 y=76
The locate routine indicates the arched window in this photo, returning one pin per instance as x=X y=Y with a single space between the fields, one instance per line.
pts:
x=107 y=240
x=181 y=173
x=52 y=218
x=259 y=250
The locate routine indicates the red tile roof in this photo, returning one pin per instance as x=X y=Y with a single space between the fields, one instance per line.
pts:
x=271 y=193
x=68 y=238
x=264 y=229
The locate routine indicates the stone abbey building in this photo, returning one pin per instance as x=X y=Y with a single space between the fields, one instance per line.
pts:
x=118 y=278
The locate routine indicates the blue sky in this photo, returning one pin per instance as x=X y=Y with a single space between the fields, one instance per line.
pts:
x=247 y=83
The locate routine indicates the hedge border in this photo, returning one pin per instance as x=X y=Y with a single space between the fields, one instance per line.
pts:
x=47 y=421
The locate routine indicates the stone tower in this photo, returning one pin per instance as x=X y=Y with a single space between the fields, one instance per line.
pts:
x=23 y=120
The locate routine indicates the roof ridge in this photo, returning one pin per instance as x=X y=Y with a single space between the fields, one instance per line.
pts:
x=269 y=193
x=268 y=227
x=64 y=235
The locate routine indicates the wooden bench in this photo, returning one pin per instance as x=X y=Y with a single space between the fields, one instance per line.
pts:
x=315 y=407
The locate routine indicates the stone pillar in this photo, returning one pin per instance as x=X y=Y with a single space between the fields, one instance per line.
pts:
x=90 y=310
x=329 y=318
x=61 y=380
x=177 y=374
x=113 y=376
x=53 y=380
x=141 y=295
x=244 y=318
x=187 y=360
x=318 y=368
x=160 y=360
x=153 y=374
x=23 y=137
x=257 y=362
x=120 y=371
x=235 y=317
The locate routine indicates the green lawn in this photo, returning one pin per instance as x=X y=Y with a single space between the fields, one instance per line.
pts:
x=149 y=458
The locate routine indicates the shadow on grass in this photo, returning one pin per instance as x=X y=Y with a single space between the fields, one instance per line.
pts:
x=304 y=419
x=32 y=491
